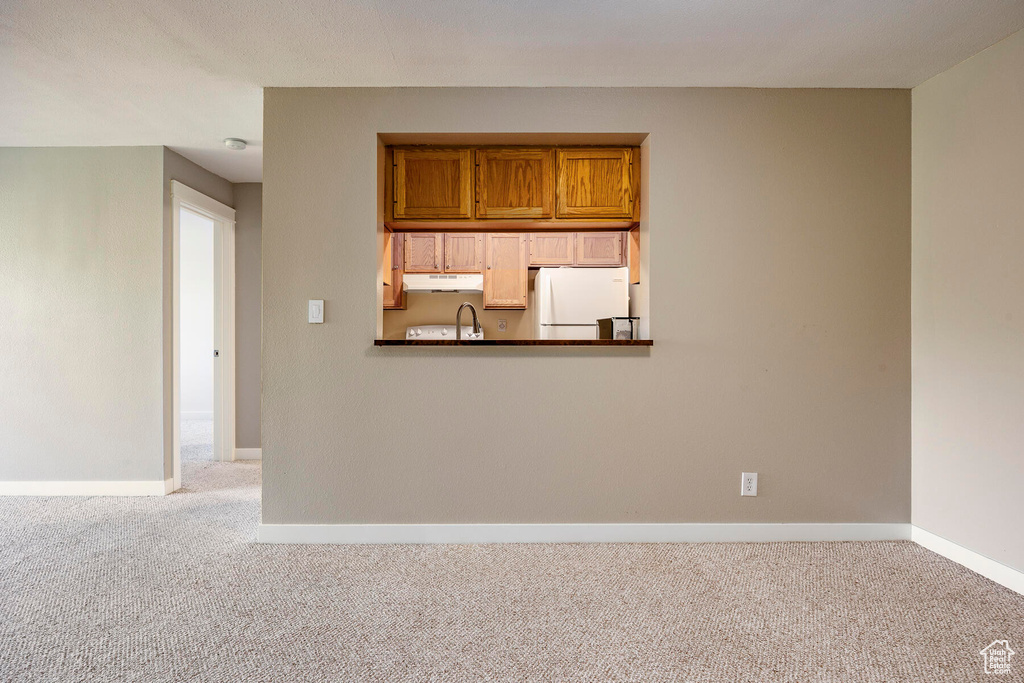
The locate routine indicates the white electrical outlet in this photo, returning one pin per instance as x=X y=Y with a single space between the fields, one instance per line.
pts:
x=502 y=325
x=748 y=486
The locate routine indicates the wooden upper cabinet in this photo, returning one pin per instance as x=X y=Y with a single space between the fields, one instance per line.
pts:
x=515 y=183
x=552 y=248
x=433 y=183
x=545 y=185
x=595 y=183
x=424 y=252
x=599 y=249
x=463 y=252
x=506 y=270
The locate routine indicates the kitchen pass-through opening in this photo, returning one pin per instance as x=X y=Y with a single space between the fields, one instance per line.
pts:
x=543 y=236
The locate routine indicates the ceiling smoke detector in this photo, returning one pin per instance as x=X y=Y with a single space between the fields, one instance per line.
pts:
x=234 y=143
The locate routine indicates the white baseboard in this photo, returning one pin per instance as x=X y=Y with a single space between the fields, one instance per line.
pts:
x=197 y=415
x=976 y=562
x=86 y=488
x=248 y=454
x=576 y=533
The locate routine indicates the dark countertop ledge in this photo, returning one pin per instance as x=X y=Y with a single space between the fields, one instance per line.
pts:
x=514 y=342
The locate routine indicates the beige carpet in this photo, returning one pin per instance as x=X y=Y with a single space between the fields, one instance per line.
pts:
x=174 y=589
x=197 y=440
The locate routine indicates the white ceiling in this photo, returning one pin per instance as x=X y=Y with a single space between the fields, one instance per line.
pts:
x=188 y=73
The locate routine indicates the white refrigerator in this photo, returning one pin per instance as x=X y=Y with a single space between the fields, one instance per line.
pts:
x=570 y=301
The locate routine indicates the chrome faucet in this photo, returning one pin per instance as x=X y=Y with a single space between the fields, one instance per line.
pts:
x=458 y=321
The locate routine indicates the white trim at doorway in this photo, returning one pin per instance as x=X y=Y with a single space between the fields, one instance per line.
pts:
x=85 y=488
x=223 y=217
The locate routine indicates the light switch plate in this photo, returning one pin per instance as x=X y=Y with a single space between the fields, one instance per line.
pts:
x=316 y=310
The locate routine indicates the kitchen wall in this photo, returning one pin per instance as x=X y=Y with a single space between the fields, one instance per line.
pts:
x=968 y=312
x=81 y=323
x=777 y=257
x=440 y=308
x=248 y=312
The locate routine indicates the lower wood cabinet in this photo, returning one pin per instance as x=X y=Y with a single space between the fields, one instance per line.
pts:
x=424 y=252
x=599 y=249
x=504 y=258
x=633 y=254
x=552 y=248
x=606 y=249
x=463 y=252
x=506 y=270
x=394 y=297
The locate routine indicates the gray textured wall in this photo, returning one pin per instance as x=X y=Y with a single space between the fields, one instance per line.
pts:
x=778 y=262
x=81 y=323
x=968 y=309
x=85 y=255
x=248 y=311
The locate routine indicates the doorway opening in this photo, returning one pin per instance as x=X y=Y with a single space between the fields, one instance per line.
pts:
x=197 y=344
x=203 y=329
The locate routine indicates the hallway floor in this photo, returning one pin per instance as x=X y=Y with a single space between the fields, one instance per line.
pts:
x=174 y=588
x=196 y=440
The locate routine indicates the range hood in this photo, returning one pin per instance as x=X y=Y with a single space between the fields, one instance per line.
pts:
x=440 y=282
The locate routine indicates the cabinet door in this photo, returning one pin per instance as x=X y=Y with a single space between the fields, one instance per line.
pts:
x=506 y=270
x=599 y=249
x=552 y=248
x=463 y=252
x=393 y=294
x=423 y=251
x=514 y=183
x=595 y=183
x=633 y=255
x=433 y=183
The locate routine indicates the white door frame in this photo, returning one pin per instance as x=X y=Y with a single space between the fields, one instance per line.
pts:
x=223 y=217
